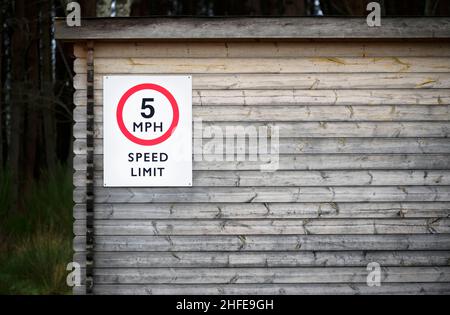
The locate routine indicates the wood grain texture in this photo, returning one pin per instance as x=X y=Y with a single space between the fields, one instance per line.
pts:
x=274 y=289
x=244 y=28
x=323 y=146
x=266 y=259
x=363 y=170
x=267 y=275
x=302 y=178
x=340 y=210
x=223 y=113
x=267 y=194
x=265 y=65
x=279 y=243
x=278 y=98
x=313 y=81
x=263 y=226
x=263 y=49
x=310 y=162
x=204 y=130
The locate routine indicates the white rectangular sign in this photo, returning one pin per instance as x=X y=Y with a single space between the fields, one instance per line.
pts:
x=147 y=131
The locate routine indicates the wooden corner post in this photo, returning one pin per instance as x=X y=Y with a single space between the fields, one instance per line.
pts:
x=90 y=169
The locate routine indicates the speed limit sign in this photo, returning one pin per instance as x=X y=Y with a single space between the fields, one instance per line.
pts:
x=147 y=131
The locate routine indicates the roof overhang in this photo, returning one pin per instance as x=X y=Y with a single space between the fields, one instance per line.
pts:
x=253 y=28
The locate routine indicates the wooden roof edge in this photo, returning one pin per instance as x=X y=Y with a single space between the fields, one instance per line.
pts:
x=246 y=28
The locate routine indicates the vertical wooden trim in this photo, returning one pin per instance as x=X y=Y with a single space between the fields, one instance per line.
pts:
x=90 y=169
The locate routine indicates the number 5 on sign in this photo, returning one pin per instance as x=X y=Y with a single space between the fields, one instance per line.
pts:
x=147 y=128
x=147 y=106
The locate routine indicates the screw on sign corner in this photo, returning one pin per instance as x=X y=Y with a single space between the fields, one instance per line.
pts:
x=128 y=94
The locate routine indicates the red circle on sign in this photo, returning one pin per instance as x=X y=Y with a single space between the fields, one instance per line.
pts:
x=121 y=105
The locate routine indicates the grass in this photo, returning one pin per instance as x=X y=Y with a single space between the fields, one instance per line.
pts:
x=36 y=242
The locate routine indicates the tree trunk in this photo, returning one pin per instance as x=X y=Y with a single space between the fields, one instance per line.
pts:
x=17 y=99
x=1 y=86
x=46 y=86
x=140 y=8
x=345 y=7
x=88 y=8
x=294 y=7
x=189 y=7
x=431 y=7
x=254 y=7
x=270 y=7
x=33 y=100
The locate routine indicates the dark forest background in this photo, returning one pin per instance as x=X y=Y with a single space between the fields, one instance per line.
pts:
x=36 y=117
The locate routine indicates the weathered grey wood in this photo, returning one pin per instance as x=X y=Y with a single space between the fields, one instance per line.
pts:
x=310 y=129
x=267 y=275
x=266 y=210
x=264 y=49
x=292 y=275
x=363 y=172
x=326 y=145
x=302 y=178
x=272 y=289
x=265 y=65
x=312 y=162
x=266 y=259
x=304 y=97
x=316 y=81
x=281 y=243
x=268 y=194
x=263 y=226
x=253 y=28
x=243 y=114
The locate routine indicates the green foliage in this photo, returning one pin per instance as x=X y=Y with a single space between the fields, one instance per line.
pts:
x=36 y=237
x=36 y=265
x=5 y=200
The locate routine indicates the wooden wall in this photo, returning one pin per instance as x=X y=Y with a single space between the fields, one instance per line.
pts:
x=364 y=173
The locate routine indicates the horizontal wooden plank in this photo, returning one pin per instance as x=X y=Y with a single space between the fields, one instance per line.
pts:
x=311 y=162
x=313 y=81
x=266 y=259
x=240 y=28
x=265 y=65
x=267 y=275
x=267 y=194
x=309 y=129
x=302 y=178
x=323 y=146
x=304 y=97
x=271 y=289
x=265 y=210
x=274 y=49
x=354 y=113
x=280 y=243
x=264 y=226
